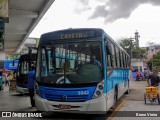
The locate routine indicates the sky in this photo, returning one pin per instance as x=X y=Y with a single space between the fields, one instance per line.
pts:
x=119 y=18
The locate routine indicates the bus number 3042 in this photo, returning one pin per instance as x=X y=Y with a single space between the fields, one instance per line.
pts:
x=83 y=92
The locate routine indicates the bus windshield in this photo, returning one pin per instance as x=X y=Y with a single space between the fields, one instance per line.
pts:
x=70 y=62
x=24 y=66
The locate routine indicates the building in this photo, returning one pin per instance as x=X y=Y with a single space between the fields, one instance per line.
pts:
x=151 y=50
x=138 y=65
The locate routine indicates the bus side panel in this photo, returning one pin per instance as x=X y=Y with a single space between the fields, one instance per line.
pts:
x=117 y=78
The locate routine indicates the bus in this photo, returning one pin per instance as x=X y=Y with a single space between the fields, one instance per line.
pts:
x=67 y=78
x=24 y=66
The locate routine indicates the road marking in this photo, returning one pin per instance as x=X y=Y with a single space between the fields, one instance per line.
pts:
x=117 y=109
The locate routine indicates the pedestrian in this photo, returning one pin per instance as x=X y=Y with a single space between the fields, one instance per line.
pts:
x=31 y=78
x=10 y=76
x=139 y=76
x=14 y=75
x=66 y=66
x=153 y=79
x=7 y=80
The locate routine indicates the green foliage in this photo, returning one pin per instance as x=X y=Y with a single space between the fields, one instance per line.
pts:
x=149 y=64
x=126 y=45
x=156 y=61
x=137 y=52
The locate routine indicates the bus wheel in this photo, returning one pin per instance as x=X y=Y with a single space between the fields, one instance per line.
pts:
x=115 y=95
x=115 y=100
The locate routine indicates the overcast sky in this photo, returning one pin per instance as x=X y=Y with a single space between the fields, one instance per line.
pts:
x=119 y=18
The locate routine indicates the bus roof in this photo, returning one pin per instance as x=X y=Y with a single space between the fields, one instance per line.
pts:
x=76 y=33
x=71 y=34
x=115 y=43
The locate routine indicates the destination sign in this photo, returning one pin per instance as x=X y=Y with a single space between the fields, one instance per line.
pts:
x=72 y=36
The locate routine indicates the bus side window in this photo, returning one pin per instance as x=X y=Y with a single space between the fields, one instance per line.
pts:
x=123 y=62
x=117 y=56
x=127 y=61
x=120 y=59
x=109 y=54
x=113 y=56
x=43 y=65
x=108 y=58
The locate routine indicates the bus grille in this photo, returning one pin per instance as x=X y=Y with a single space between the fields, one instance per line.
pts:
x=67 y=94
x=66 y=98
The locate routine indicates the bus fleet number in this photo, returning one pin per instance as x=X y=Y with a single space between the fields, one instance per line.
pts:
x=83 y=92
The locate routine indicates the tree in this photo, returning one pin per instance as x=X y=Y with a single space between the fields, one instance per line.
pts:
x=126 y=45
x=138 y=52
x=156 y=61
x=129 y=47
x=149 y=64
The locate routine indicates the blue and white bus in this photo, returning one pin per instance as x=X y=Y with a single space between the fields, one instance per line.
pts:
x=24 y=66
x=67 y=80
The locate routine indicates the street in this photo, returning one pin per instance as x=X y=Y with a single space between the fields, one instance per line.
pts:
x=12 y=101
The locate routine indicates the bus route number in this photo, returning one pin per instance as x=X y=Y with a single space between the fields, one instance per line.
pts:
x=83 y=92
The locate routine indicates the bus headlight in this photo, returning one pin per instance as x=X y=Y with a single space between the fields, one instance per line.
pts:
x=98 y=93
x=99 y=89
x=36 y=91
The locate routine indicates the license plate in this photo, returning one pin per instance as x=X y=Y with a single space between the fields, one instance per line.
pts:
x=64 y=106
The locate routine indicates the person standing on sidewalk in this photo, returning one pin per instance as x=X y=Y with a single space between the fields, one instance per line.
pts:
x=7 y=79
x=31 y=78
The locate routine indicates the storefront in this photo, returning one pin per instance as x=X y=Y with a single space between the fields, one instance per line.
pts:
x=11 y=67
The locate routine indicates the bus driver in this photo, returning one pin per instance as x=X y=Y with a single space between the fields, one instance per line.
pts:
x=95 y=61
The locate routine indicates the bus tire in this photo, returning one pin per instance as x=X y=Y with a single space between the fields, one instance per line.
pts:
x=115 y=97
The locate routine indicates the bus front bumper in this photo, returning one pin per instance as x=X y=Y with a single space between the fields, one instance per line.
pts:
x=94 y=106
x=21 y=90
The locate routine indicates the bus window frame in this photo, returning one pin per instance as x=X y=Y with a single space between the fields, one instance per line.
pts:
x=108 y=53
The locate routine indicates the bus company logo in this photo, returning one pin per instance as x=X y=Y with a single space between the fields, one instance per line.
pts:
x=6 y=114
x=64 y=97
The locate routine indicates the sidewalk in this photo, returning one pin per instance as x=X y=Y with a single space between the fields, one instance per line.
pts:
x=135 y=104
x=12 y=101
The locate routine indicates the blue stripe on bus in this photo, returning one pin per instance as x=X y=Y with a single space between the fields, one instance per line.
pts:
x=117 y=77
x=67 y=94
